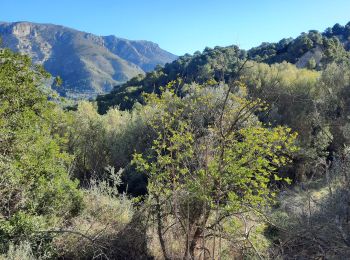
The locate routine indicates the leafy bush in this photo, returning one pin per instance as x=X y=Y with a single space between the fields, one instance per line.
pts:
x=36 y=192
x=100 y=141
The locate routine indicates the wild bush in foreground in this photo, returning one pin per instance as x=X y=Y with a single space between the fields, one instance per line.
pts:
x=212 y=162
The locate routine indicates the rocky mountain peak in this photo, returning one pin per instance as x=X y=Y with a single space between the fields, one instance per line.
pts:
x=88 y=64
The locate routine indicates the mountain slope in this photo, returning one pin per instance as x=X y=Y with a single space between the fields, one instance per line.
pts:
x=313 y=50
x=88 y=64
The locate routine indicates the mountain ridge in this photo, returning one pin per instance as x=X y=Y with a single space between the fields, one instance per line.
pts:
x=89 y=64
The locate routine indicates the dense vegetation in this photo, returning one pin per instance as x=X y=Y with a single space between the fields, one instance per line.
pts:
x=221 y=154
x=35 y=188
x=312 y=50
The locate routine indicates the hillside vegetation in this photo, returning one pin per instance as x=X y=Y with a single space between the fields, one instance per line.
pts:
x=311 y=50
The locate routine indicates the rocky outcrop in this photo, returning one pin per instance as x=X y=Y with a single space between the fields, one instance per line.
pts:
x=87 y=63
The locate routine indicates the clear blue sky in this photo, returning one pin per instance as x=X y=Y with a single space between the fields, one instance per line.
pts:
x=181 y=26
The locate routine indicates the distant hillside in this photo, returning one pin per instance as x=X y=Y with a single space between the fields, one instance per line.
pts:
x=87 y=63
x=214 y=63
x=313 y=50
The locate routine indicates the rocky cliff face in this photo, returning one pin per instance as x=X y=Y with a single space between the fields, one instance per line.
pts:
x=87 y=63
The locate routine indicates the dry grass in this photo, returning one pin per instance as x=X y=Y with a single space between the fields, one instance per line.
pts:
x=22 y=251
x=100 y=222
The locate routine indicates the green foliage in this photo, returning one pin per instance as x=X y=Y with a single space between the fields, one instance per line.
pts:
x=313 y=50
x=100 y=141
x=292 y=50
x=295 y=99
x=211 y=152
x=311 y=64
x=218 y=64
x=35 y=189
x=244 y=139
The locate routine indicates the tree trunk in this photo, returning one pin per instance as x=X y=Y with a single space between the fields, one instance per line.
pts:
x=197 y=235
x=160 y=230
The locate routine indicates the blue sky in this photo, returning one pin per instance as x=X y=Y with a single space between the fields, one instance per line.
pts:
x=184 y=26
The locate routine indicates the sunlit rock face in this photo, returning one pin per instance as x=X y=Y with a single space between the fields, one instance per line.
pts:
x=88 y=64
